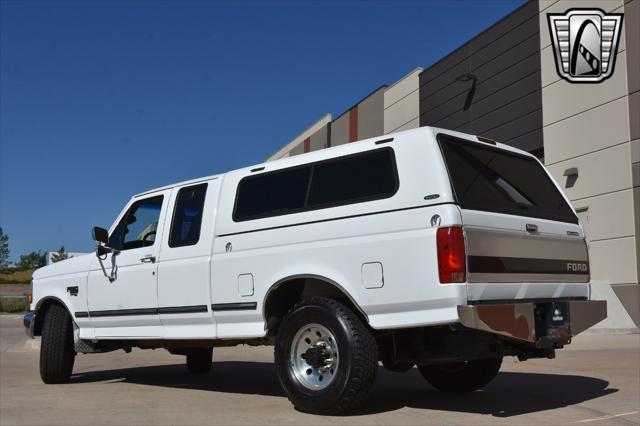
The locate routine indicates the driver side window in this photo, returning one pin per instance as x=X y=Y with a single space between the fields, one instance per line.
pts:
x=138 y=226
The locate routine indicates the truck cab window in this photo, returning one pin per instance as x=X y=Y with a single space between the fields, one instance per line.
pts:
x=187 y=216
x=138 y=226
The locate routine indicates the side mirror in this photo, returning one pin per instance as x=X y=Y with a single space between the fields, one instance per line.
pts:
x=102 y=250
x=100 y=235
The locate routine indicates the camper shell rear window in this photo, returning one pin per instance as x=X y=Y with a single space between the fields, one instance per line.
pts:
x=488 y=178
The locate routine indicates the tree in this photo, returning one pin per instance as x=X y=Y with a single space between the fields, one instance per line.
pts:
x=33 y=260
x=4 y=249
x=60 y=255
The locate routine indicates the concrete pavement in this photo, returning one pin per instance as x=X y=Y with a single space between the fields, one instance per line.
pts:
x=596 y=380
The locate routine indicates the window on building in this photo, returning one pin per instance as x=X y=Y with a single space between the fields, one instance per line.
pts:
x=138 y=226
x=187 y=216
x=351 y=179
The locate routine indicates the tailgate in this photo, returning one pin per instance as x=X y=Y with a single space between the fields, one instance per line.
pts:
x=549 y=252
x=505 y=262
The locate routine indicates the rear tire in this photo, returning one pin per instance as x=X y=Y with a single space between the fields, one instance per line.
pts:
x=199 y=360
x=462 y=377
x=325 y=357
x=57 y=353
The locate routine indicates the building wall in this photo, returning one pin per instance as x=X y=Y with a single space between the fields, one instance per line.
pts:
x=364 y=120
x=401 y=103
x=632 y=38
x=312 y=136
x=588 y=126
x=490 y=86
x=320 y=139
x=340 y=129
x=371 y=116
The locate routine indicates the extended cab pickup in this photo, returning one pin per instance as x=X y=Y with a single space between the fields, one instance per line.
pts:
x=426 y=248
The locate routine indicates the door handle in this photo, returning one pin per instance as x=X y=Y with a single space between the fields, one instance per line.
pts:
x=148 y=259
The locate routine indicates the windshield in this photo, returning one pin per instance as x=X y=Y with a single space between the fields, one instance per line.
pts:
x=492 y=179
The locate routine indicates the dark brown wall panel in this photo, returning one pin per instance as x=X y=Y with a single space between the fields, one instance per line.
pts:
x=516 y=128
x=443 y=81
x=524 y=87
x=527 y=142
x=507 y=74
x=505 y=25
x=505 y=102
x=455 y=121
x=444 y=64
x=507 y=113
x=518 y=36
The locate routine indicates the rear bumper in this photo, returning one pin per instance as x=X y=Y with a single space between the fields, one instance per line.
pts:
x=543 y=323
x=29 y=322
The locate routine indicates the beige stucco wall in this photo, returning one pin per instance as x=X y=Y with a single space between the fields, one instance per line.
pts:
x=295 y=146
x=320 y=139
x=371 y=115
x=340 y=130
x=401 y=103
x=588 y=126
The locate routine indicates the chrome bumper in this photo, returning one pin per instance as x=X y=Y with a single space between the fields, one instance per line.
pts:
x=542 y=323
x=29 y=322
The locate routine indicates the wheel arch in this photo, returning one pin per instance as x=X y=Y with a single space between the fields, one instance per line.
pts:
x=286 y=292
x=42 y=307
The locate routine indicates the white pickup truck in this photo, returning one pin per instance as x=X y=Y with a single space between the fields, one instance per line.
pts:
x=426 y=248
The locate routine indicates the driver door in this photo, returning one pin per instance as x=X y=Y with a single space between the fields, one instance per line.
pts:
x=127 y=304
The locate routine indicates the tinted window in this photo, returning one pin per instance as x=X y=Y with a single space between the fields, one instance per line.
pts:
x=351 y=179
x=492 y=179
x=363 y=177
x=138 y=226
x=272 y=194
x=187 y=216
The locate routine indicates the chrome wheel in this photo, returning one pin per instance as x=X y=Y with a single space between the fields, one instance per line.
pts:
x=314 y=356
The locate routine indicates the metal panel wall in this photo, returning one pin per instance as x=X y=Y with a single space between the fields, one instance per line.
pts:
x=491 y=85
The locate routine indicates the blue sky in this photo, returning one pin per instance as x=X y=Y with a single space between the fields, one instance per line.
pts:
x=101 y=100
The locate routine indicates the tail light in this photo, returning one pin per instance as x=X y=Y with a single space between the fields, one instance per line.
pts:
x=451 y=255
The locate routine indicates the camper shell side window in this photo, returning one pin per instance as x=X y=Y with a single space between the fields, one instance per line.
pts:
x=365 y=176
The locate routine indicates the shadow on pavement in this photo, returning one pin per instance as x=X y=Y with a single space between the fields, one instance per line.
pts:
x=510 y=394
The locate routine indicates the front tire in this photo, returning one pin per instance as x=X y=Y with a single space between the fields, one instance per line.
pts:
x=57 y=353
x=461 y=377
x=199 y=360
x=325 y=357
